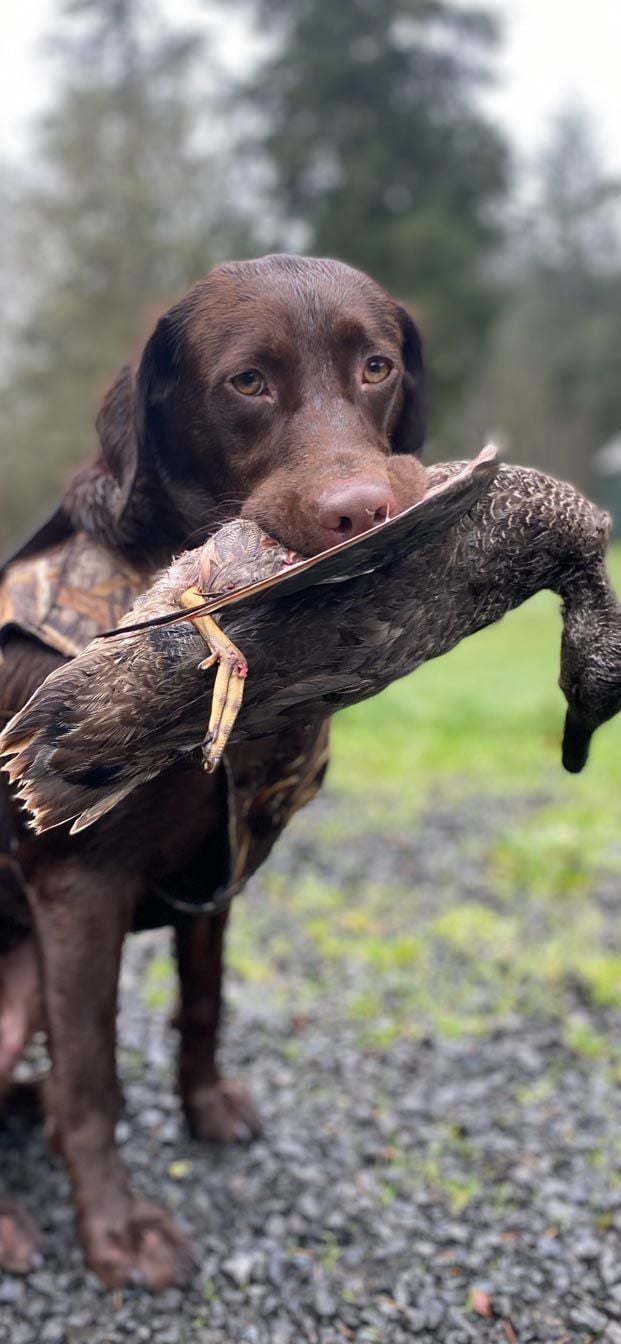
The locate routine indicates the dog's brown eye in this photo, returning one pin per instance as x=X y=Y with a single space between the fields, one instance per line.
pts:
x=249 y=382
x=376 y=369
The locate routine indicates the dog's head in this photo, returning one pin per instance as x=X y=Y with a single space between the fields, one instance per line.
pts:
x=282 y=389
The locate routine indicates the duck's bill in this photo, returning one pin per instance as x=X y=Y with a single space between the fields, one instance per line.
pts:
x=421 y=525
x=576 y=743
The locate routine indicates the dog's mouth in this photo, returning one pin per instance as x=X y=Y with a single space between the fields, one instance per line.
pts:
x=480 y=467
x=290 y=556
x=307 y=548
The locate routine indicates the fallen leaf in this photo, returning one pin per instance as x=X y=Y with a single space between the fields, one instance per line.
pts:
x=481 y=1302
x=180 y=1169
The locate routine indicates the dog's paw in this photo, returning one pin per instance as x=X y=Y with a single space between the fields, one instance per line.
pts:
x=19 y=1241
x=145 y=1250
x=222 y=1113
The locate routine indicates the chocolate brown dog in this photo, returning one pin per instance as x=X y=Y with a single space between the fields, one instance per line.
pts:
x=285 y=390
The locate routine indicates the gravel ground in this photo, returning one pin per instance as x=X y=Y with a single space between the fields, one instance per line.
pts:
x=410 y=1187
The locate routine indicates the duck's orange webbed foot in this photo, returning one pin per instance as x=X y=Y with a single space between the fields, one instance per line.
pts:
x=228 y=691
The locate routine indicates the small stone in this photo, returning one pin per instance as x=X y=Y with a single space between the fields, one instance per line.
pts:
x=150 y=1118
x=240 y=1267
x=588 y=1318
x=434 y=1314
x=325 y=1304
x=11 y=1290
x=309 y=1208
x=586 y=1248
x=169 y=1131
x=613 y=1333
x=610 y=1265
x=20 y=1334
x=53 y=1332
x=281 y=1333
x=43 y=1282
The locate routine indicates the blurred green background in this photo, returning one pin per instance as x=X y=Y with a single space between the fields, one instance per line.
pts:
x=358 y=130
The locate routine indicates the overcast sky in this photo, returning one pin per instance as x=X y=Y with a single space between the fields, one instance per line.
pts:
x=555 y=50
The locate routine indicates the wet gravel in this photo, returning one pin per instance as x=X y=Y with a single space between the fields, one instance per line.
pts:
x=427 y=1190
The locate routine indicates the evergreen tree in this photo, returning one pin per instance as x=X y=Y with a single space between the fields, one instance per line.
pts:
x=552 y=384
x=122 y=216
x=380 y=155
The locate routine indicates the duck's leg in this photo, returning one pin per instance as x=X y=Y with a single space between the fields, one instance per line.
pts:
x=228 y=691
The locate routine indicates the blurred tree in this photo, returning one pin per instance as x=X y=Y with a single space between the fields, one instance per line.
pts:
x=552 y=384
x=9 y=194
x=114 y=225
x=380 y=155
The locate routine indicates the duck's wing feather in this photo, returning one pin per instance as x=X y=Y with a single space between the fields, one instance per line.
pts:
x=100 y=725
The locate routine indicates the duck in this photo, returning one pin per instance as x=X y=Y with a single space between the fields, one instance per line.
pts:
x=249 y=639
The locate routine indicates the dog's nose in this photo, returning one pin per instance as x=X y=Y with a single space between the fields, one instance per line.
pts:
x=352 y=507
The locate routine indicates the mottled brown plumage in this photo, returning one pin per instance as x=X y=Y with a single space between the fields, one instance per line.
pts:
x=126 y=690
x=125 y=709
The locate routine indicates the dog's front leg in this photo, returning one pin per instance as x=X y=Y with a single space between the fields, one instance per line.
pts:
x=82 y=913
x=216 y=1108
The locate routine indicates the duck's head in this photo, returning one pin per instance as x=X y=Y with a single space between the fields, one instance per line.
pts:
x=590 y=669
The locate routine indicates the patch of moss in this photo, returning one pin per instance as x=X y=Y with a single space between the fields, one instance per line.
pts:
x=601 y=975
x=250 y=967
x=365 y=1007
x=476 y=930
x=158 y=984
x=459 y=1192
x=584 y=1040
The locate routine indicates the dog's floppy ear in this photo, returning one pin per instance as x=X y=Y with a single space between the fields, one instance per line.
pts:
x=156 y=382
x=409 y=432
x=97 y=497
x=132 y=421
x=131 y=427
x=117 y=439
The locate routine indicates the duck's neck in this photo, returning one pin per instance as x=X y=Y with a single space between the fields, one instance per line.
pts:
x=532 y=532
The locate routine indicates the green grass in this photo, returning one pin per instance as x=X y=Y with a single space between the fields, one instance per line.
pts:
x=158 y=985
x=487 y=716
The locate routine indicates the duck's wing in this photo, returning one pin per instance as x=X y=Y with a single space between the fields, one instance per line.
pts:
x=122 y=711
x=421 y=525
x=102 y=724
